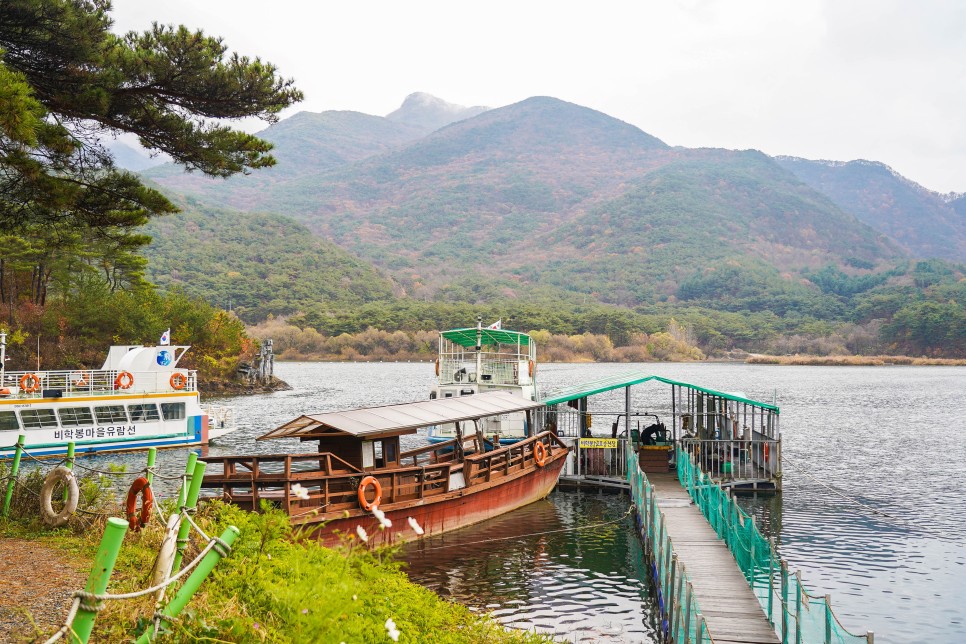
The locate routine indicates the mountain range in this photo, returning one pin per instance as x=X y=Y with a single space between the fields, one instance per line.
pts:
x=552 y=197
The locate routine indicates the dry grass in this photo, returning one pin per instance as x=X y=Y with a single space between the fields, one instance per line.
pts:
x=854 y=361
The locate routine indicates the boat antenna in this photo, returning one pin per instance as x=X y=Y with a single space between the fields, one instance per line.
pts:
x=479 y=333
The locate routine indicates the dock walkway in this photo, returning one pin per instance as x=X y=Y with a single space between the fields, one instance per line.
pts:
x=730 y=608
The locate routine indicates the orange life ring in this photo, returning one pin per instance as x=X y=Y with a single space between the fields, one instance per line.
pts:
x=533 y=368
x=540 y=454
x=31 y=378
x=142 y=487
x=366 y=482
x=124 y=380
x=78 y=379
x=437 y=367
x=178 y=380
x=766 y=453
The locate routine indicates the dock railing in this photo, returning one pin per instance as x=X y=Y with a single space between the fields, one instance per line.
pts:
x=735 y=459
x=681 y=618
x=798 y=616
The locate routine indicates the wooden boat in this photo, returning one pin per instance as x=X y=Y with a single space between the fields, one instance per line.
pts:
x=359 y=466
x=476 y=360
x=139 y=398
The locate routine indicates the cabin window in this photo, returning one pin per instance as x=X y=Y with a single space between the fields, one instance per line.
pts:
x=75 y=416
x=38 y=418
x=143 y=413
x=110 y=414
x=389 y=449
x=368 y=454
x=8 y=421
x=172 y=411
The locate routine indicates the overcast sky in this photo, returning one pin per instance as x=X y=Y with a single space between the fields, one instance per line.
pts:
x=840 y=79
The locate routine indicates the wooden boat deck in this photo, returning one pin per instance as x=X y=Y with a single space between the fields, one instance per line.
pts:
x=727 y=602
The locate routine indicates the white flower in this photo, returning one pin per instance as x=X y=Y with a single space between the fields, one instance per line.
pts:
x=362 y=533
x=300 y=492
x=383 y=521
x=391 y=630
x=418 y=529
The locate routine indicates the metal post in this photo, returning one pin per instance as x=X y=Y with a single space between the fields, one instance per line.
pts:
x=196 y=476
x=784 y=574
x=152 y=457
x=14 y=469
x=688 y=597
x=828 y=619
x=104 y=560
x=771 y=581
x=69 y=464
x=670 y=603
x=798 y=604
x=194 y=581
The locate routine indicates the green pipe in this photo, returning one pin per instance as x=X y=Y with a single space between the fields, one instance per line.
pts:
x=15 y=468
x=152 y=457
x=188 y=469
x=196 y=476
x=104 y=560
x=194 y=581
x=69 y=464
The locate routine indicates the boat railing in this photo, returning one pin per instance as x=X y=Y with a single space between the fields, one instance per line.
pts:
x=95 y=382
x=442 y=452
x=735 y=459
x=505 y=461
x=331 y=483
x=496 y=368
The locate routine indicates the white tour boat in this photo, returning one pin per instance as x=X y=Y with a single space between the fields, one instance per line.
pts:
x=138 y=399
x=477 y=360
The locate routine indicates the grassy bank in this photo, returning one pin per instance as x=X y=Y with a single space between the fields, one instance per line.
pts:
x=853 y=361
x=276 y=586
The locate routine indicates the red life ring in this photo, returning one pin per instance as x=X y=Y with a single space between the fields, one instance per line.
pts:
x=31 y=378
x=124 y=380
x=540 y=454
x=178 y=380
x=142 y=487
x=366 y=482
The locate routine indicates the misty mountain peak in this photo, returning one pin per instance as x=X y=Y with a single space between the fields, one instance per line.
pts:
x=431 y=113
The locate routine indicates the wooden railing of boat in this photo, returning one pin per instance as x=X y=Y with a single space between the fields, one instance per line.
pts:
x=333 y=484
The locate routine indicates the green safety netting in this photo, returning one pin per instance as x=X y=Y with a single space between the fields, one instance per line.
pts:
x=681 y=618
x=799 y=617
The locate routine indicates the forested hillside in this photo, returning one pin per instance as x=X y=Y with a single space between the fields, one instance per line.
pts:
x=923 y=223
x=545 y=205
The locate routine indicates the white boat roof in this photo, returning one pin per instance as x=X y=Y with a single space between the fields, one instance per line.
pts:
x=394 y=420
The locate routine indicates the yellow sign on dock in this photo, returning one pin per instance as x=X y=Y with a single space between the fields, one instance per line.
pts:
x=598 y=443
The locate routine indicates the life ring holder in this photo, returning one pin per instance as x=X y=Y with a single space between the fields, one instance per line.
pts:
x=124 y=380
x=366 y=482
x=57 y=475
x=31 y=378
x=540 y=454
x=178 y=380
x=141 y=487
x=78 y=379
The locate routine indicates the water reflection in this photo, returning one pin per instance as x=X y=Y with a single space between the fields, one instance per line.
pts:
x=544 y=567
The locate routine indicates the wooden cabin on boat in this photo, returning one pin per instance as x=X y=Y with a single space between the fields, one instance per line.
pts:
x=360 y=464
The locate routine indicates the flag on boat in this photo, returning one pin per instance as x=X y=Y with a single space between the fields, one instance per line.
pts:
x=165 y=338
x=496 y=325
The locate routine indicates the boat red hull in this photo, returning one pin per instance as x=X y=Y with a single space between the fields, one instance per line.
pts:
x=443 y=513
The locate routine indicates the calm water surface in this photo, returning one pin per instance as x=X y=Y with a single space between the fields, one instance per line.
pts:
x=890 y=438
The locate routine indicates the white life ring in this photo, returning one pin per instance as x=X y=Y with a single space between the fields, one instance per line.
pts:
x=162 y=567
x=59 y=474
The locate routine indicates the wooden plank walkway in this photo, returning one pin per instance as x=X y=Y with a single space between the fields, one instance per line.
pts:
x=727 y=602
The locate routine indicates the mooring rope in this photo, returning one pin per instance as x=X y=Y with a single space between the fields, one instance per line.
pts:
x=873 y=510
x=537 y=534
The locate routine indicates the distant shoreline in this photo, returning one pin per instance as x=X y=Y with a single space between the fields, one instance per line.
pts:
x=854 y=361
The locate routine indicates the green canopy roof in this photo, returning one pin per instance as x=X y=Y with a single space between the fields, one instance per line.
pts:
x=635 y=378
x=467 y=337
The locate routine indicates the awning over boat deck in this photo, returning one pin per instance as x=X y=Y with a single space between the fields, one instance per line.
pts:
x=635 y=378
x=467 y=337
x=394 y=420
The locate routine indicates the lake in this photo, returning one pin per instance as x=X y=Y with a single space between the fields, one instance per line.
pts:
x=858 y=440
